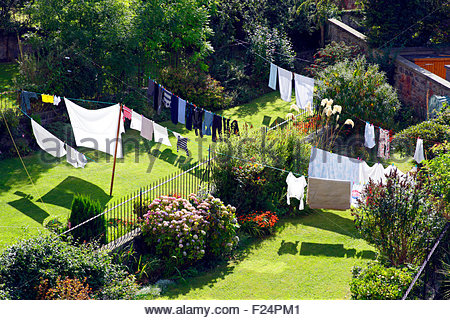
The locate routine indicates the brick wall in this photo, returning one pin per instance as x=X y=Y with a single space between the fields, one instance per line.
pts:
x=411 y=81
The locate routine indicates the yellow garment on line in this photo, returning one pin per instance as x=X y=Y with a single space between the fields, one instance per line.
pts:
x=47 y=98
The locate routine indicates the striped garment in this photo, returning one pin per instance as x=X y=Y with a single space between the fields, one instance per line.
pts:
x=167 y=98
x=181 y=143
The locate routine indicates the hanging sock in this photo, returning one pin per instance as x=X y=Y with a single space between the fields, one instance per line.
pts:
x=47 y=141
x=285 y=83
x=418 y=155
x=174 y=109
x=161 y=135
x=46 y=98
x=295 y=189
x=97 y=129
x=273 y=76
x=181 y=111
x=384 y=144
x=75 y=158
x=369 y=136
x=181 y=143
x=304 y=90
x=136 y=121
x=147 y=128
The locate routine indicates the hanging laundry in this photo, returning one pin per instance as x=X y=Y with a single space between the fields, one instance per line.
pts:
x=75 y=158
x=189 y=115
x=181 y=111
x=369 y=136
x=327 y=165
x=126 y=112
x=181 y=143
x=295 y=189
x=304 y=90
x=418 y=154
x=217 y=128
x=161 y=135
x=207 y=123
x=285 y=84
x=174 y=109
x=166 y=98
x=197 y=121
x=47 y=141
x=392 y=168
x=356 y=194
x=25 y=97
x=56 y=100
x=234 y=127
x=226 y=127
x=97 y=129
x=384 y=144
x=273 y=76
x=150 y=89
x=147 y=128
x=366 y=173
x=46 y=98
x=136 y=121
x=328 y=194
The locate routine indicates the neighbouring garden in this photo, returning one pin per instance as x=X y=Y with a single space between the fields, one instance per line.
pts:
x=236 y=237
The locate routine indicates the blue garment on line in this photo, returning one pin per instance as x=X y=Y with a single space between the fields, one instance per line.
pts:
x=25 y=97
x=331 y=166
x=207 y=123
x=181 y=111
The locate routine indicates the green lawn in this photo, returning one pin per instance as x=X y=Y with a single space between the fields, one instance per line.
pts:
x=311 y=258
x=23 y=214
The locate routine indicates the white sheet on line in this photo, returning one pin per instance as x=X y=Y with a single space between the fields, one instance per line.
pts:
x=47 y=141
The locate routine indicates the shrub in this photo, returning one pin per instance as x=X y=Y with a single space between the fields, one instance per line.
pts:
x=84 y=208
x=259 y=224
x=331 y=54
x=377 y=282
x=67 y=289
x=20 y=129
x=361 y=89
x=182 y=231
x=25 y=263
x=246 y=184
x=399 y=217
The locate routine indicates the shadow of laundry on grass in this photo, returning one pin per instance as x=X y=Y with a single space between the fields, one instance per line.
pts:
x=62 y=195
x=288 y=248
x=333 y=250
x=30 y=209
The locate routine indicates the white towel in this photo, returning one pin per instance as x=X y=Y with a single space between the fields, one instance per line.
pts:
x=97 y=129
x=136 y=121
x=304 y=90
x=273 y=76
x=418 y=155
x=161 y=135
x=75 y=158
x=47 y=141
x=147 y=128
x=369 y=136
x=285 y=83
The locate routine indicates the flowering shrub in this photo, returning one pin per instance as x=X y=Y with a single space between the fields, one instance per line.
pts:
x=67 y=289
x=259 y=224
x=185 y=230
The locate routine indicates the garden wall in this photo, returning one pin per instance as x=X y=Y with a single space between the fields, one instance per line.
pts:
x=412 y=82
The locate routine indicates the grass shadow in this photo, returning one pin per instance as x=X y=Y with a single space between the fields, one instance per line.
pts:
x=288 y=248
x=333 y=250
x=28 y=208
x=62 y=195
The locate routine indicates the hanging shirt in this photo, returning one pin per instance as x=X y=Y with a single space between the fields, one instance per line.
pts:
x=207 y=123
x=327 y=165
x=75 y=158
x=25 y=97
x=46 y=98
x=273 y=76
x=97 y=129
x=146 y=128
x=181 y=111
x=126 y=112
x=390 y=169
x=285 y=84
x=150 y=89
x=384 y=144
x=216 y=128
x=304 y=90
x=295 y=189
x=136 y=121
x=418 y=154
x=369 y=136
x=189 y=115
x=174 y=109
x=161 y=135
x=375 y=173
x=197 y=121
x=56 y=100
x=328 y=194
x=47 y=141
x=166 y=98
x=181 y=143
